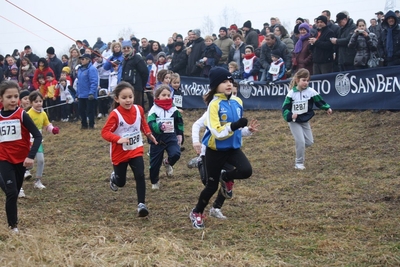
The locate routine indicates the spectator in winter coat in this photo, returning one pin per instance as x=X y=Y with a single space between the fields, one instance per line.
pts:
x=155 y=48
x=54 y=62
x=27 y=53
x=251 y=64
x=274 y=46
x=236 y=52
x=390 y=39
x=116 y=57
x=99 y=44
x=145 y=47
x=375 y=28
x=134 y=71
x=195 y=51
x=224 y=43
x=365 y=44
x=42 y=69
x=322 y=47
x=179 y=59
x=302 y=56
x=26 y=72
x=86 y=92
x=251 y=36
x=344 y=53
x=283 y=35
x=210 y=56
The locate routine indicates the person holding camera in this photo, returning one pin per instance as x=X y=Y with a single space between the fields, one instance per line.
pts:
x=345 y=53
x=365 y=43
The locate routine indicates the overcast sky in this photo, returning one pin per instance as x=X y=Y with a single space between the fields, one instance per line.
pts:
x=153 y=19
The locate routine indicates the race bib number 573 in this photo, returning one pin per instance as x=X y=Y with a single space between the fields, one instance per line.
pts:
x=10 y=130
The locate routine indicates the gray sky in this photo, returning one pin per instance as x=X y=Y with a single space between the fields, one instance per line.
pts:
x=154 y=19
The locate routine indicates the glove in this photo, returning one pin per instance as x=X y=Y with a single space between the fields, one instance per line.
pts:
x=271 y=83
x=55 y=130
x=240 y=123
x=246 y=75
x=90 y=97
x=179 y=139
x=77 y=66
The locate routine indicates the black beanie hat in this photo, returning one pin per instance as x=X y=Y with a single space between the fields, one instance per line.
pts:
x=217 y=75
x=50 y=50
x=23 y=93
x=323 y=18
x=247 y=24
x=49 y=74
x=223 y=29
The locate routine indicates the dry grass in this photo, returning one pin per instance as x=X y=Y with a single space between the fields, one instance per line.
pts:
x=343 y=210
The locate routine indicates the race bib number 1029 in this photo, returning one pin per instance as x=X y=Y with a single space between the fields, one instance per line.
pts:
x=10 y=130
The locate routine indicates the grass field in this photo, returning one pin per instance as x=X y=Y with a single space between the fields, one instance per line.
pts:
x=343 y=210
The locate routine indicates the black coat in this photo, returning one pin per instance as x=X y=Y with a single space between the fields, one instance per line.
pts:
x=135 y=72
x=179 y=62
x=197 y=49
x=322 y=49
x=346 y=54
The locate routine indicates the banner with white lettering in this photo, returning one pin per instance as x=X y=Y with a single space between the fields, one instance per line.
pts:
x=377 y=88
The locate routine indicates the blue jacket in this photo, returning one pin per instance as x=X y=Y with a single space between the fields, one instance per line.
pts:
x=109 y=66
x=221 y=112
x=88 y=81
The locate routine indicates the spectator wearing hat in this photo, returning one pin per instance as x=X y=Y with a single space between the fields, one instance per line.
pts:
x=380 y=17
x=250 y=35
x=331 y=24
x=302 y=56
x=195 y=53
x=42 y=69
x=13 y=73
x=322 y=47
x=233 y=30
x=390 y=40
x=224 y=43
x=134 y=71
x=273 y=45
x=344 y=53
x=27 y=53
x=251 y=64
x=54 y=62
x=135 y=44
x=86 y=91
x=179 y=59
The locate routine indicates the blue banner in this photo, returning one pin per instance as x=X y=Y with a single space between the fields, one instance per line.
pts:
x=377 y=88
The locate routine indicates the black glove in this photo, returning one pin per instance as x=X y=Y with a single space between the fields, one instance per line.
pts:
x=90 y=97
x=242 y=122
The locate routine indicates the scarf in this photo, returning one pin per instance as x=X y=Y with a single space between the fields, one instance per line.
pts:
x=165 y=104
x=389 y=41
x=249 y=56
x=117 y=54
x=299 y=44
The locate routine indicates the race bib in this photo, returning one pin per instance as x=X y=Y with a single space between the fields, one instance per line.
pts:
x=274 y=69
x=10 y=130
x=178 y=101
x=300 y=107
x=135 y=140
x=167 y=121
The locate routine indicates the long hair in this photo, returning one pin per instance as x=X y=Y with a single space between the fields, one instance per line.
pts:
x=301 y=73
x=121 y=86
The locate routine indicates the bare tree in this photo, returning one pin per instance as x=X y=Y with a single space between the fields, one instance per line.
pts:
x=125 y=33
x=208 y=25
x=229 y=16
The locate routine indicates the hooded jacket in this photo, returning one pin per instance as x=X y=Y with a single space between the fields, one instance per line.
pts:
x=395 y=38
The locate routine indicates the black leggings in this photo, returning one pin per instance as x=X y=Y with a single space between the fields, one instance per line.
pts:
x=215 y=161
x=11 y=178
x=137 y=166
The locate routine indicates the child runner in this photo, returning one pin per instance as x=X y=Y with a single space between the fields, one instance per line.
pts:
x=297 y=110
x=222 y=141
x=26 y=105
x=200 y=149
x=16 y=153
x=122 y=130
x=166 y=123
x=42 y=122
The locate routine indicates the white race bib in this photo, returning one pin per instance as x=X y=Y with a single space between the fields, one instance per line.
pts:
x=274 y=69
x=300 y=107
x=135 y=140
x=167 y=121
x=10 y=130
x=178 y=100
